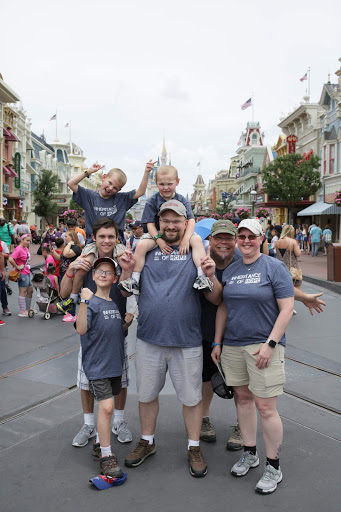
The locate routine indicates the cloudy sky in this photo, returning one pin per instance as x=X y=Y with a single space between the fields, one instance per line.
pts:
x=125 y=71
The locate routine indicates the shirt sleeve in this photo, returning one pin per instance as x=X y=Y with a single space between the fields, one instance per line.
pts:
x=187 y=204
x=77 y=250
x=150 y=211
x=281 y=281
x=82 y=197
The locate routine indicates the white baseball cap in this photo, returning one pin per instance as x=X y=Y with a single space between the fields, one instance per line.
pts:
x=251 y=224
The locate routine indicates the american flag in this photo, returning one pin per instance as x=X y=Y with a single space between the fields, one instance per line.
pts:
x=305 y=77
x=53 y=118
x=239 y=142
x=67 y=125
x=247 y=104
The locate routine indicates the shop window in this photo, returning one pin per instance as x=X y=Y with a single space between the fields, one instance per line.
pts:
x=331 y=158
x=324 y=160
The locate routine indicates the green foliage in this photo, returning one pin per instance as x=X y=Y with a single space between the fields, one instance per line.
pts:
x=75 y=206
x=129 y=216
x=43 y=195
x=290 y=178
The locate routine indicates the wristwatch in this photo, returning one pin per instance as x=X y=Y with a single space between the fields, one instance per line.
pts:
x=84 y=301
x=156 y=237
x=271 y=343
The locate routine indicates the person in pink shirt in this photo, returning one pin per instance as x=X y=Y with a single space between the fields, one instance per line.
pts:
x=20 y=259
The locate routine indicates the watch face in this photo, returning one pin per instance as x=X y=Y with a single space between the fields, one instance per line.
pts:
x=272 y=343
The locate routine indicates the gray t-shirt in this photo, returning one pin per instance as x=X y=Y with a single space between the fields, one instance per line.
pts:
x=95 y=207
x=152 y=208
x=250 y=299
x=103 y=343
x=169 y=306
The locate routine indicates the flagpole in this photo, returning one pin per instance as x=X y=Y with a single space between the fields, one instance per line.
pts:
x=309 y=82
x=70 y=134
x=56 y=125
x=253 y=108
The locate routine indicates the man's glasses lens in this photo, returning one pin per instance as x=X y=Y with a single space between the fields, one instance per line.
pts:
x=250 y=237
x=100 y=272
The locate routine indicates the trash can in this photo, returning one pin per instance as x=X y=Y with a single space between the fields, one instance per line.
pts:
x=334 y=262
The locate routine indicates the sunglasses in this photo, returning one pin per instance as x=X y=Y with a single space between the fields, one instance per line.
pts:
x=252 y=238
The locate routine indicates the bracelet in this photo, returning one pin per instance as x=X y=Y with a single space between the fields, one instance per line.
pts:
x=86 y=173
x=216 y=345
x=70 y=277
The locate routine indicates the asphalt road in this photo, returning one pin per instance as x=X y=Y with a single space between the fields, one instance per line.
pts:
x=40 y=412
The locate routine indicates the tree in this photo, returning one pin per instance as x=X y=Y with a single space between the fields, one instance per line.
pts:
x=43 y=195
x=75 y=206
x=290 y=178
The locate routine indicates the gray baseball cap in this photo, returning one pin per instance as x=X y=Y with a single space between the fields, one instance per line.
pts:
x=175 y=206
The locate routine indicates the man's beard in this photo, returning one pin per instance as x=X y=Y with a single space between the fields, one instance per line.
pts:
x=171 y=240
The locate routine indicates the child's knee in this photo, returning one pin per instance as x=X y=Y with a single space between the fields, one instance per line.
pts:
x=106 y=406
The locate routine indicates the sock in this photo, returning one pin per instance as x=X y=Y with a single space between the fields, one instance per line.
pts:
x=200 y=271
x=118 y=416
x=150 y=439
x=273 y=462
x=192 y=443
x=106 y=451
x=97 y=438
x=136 y=276
x=22 y=303
x=89 y=419
x=74 y=296
x=28 y=302
x=251 y=449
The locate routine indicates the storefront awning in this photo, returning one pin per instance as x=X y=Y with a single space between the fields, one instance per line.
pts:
x=9 y=135
x=29 y=146
x=30 y=170
x=6 y=171
x=12 y=171
x=320 y=208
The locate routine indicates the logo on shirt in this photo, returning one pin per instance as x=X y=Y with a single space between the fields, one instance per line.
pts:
x=246 y=278
x=111 y=313
x=106 y=211
x=171 y=257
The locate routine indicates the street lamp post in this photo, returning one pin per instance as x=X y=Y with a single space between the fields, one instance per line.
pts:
x=253 y=195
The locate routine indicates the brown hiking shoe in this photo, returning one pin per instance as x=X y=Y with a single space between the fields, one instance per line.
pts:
x=207 y=433
x=109 y=467
x=197 y=464
x=142 y=450
x=236 y=441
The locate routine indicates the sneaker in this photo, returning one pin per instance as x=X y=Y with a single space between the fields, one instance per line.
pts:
x=123 y=433
x=142 y=450
x=203 y=283
x=130 y=285
x=246 y=461
x=23 y=314
x=235 y=441
x=109 y=467
x=271 y=477
x=69 y=318
x=65 y=306
x=2 y=322
x=207 y=433
x=96 y=450
x=6 y=312
x=83 y=436
x=197 y=464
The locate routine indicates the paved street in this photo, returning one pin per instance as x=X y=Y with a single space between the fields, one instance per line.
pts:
x=40 y=413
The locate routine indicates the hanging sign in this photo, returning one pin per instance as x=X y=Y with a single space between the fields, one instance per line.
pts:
x=17 y=168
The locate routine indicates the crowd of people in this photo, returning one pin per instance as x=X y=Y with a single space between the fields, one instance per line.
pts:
x=221 y=289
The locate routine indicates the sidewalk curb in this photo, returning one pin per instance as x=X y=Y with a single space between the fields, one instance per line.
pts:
x=329 y=285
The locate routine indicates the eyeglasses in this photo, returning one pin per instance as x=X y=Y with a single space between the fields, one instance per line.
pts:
x=252 y=238
x=221 y=239
x=100 y=272
x=175 y=222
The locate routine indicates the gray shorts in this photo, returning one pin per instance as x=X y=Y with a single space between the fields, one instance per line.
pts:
x=184 y=366
x=82 y=381
x=102 y=389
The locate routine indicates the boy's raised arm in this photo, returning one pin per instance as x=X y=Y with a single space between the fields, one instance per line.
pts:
x=73 y=182
x=82 y=317
x=143 y=185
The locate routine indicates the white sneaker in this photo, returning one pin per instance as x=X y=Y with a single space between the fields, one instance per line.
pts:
x=82 y=438
x=268 y=483
x=123 y=433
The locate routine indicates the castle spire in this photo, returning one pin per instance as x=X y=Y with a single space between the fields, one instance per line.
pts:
x=164 y=152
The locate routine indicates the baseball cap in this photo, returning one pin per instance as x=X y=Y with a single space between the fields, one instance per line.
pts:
x=106 y=259
x=135 y=224
x=223 y=226
x=175 y=206
x=251 y=224
x=104 y=482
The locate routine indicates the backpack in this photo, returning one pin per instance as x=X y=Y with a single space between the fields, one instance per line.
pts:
x=328 y=238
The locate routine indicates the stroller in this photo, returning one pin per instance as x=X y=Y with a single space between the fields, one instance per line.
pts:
x=47 y=296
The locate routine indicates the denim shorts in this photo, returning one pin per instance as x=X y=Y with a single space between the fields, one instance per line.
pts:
x=24 y=280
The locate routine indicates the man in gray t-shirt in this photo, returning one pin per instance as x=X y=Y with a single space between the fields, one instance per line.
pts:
x=169 y=338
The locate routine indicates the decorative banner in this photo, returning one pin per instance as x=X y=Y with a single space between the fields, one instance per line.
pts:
x=21 y=203
x=4 y=201
x=17 y=168
x=291 y=141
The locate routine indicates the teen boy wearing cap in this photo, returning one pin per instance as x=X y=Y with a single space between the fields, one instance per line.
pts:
x=167 y=340
x=100 y=326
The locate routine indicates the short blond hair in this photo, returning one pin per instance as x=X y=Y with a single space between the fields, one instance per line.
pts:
x=166 y=169
x=120 y=175
x=289 y=231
